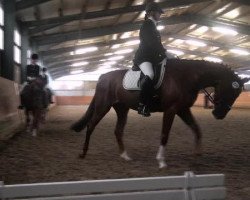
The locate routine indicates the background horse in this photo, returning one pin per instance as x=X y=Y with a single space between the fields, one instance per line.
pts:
x=182 y=82
x=34 y=105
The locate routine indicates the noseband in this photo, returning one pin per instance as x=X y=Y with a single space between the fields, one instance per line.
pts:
x=211 y=99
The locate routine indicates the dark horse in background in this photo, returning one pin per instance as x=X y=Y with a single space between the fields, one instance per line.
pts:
x=34 y=105
x=182 y=82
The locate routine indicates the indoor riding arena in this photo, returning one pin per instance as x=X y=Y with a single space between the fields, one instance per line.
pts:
x=74 y=44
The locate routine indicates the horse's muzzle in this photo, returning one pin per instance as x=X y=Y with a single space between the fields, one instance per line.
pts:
x=219 y=115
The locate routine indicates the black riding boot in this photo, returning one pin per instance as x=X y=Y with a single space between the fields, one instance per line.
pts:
x=146 y=94
x=21 y=106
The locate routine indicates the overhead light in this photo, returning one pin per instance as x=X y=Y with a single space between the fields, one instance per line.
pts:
x=176 y=52
x=178 y=41
x=109 y=63
x=72 y=53
x=76 y=72
x=196 y=43
x=102 y=60
x=125 y=35
x=115 y=46
x=116 y=58
x=79 y=64
x=139 y=2
x=85 y=50
x=213 y=59
x=114 y=37
x=202 y=29
x=223 y=8
x=225 y=31
x=192 y=26
x=159 y=28
x=124 y=51
x=232 y=14
x=240 y=52
x=132 y=42
x=108 y=54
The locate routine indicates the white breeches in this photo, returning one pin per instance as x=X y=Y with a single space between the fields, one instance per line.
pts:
x=23 y=86
x=147 y=69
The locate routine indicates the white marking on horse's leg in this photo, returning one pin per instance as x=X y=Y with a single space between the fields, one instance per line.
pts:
x=125 y=156
x=34 y=132
x=161 y=157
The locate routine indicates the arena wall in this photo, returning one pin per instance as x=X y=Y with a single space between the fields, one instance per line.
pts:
x=10 y=118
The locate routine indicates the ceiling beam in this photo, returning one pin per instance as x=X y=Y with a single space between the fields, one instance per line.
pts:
x=54 y=52
x=106 y=13
x=23 y=4
x=244 y=2
x=108 y=30
x=97 y=32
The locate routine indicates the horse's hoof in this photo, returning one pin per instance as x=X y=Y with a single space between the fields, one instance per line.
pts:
x=162 y=165
x=75 y=128
x=81 y=155
x=34 y=133
x=125 y=156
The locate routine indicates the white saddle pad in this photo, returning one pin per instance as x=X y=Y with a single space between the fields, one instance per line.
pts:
x=131 y=78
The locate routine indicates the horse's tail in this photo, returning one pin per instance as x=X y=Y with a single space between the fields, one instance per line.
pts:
x=82 y=123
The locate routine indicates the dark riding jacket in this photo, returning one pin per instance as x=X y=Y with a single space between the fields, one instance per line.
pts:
x=32 y=71
x=45 y=79
x=150 y=48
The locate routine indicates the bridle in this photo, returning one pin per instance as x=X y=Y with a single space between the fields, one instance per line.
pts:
x=209 y=96
x=211 y=99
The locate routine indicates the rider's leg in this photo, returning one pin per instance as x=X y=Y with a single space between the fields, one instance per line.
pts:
x=45 y=98
x=49 y=95
x=146 y=88
x=22 y=90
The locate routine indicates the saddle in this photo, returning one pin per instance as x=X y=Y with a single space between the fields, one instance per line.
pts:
x=133 y=77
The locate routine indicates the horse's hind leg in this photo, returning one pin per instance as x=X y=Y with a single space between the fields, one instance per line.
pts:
x=122 y=113
x=100 y=111
x=188 y=118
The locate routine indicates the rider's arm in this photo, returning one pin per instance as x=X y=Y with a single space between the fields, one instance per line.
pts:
x=151 y=37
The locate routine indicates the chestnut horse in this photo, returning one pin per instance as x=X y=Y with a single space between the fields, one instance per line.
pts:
x=181 y=84
x=34 y=105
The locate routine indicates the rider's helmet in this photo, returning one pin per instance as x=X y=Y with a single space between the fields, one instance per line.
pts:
x=153 y=7
x=34 y=56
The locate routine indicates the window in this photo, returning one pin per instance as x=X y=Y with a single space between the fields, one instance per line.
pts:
x=17 y=46
x=1 y=28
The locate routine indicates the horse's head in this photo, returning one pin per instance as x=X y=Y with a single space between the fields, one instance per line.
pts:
x=226 y=92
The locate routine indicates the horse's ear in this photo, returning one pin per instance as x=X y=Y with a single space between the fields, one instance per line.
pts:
x=245 y=80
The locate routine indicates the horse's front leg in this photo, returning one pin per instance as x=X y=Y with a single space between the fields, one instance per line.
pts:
x=28 y=125
x=187 y=116
x=122 y=113
x=35 y=123
x=168 y=118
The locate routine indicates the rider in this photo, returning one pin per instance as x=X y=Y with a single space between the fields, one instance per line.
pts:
x=150 y=53
x=32 y=72
x=46 y=81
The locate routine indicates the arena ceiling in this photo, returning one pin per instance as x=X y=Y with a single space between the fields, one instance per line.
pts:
x=88 y=35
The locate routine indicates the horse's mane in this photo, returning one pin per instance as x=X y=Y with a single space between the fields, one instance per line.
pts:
x=200 y=65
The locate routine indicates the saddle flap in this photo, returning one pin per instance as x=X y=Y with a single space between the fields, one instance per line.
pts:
x=130 y=80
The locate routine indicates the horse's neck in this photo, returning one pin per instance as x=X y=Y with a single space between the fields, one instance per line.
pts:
x=210 y=76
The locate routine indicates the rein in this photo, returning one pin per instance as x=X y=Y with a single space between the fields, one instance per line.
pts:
x=210 y=98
